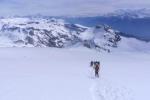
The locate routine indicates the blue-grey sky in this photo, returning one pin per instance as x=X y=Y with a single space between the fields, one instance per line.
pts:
x=67 y=7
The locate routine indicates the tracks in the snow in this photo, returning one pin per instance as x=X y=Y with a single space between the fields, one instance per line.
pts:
x=101 y=89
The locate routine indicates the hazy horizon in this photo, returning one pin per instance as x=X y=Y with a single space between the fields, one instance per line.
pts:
x=67 y=7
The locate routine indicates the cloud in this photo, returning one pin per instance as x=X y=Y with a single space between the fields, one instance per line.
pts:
x=67 y=7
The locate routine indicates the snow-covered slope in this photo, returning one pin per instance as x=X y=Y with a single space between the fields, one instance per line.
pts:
x=65 y=74
x=133 y=45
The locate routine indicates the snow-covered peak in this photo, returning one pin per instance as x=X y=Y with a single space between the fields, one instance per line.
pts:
x=130 y=13
x=51 y=32
x=42 y=32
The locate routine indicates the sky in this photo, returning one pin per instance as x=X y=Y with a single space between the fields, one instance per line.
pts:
x=67 y=7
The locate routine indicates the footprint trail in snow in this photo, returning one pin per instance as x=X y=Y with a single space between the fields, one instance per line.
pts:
x=102 y=89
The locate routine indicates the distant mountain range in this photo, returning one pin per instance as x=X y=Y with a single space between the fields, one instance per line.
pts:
x=130 y=13
x=41 y=32
x=51 y=32
x=134 y=23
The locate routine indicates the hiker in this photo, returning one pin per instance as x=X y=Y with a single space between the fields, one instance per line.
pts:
x=97 y=67
x=91 y=64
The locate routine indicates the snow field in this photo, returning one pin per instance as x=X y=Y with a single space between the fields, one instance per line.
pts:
x=64 y=74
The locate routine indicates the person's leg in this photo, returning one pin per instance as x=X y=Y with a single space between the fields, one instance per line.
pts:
x=96 y=74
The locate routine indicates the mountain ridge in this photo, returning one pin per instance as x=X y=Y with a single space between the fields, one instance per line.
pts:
x=42 y=32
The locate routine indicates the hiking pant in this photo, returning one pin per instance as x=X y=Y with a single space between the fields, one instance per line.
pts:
x=96 y=73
